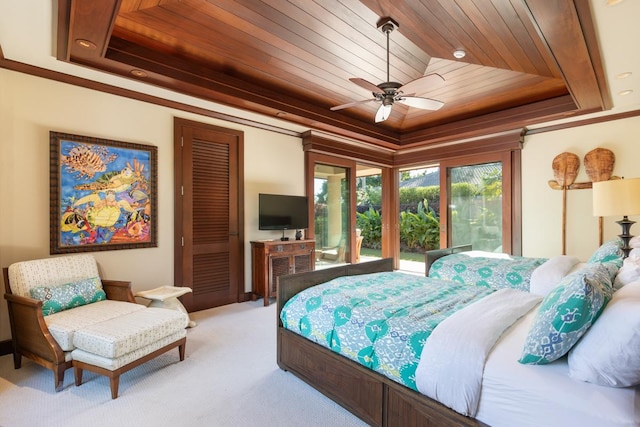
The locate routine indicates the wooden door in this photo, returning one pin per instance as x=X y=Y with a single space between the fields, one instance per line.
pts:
x=489 y=219
x=208 y=214
x=333 y=210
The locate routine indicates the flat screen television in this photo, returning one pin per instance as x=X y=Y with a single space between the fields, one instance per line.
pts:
x=282 y=212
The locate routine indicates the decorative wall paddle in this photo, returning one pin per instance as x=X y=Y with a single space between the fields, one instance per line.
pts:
x=565 y=170
x=598 y=163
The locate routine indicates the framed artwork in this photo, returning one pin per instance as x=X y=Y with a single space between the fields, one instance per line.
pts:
x=103 y=194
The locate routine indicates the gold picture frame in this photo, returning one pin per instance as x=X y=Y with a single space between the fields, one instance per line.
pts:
x=103 y=194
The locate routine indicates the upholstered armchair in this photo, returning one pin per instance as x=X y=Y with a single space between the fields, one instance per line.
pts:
x=30 y=329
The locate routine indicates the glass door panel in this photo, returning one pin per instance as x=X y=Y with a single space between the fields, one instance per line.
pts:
x=332 y=212
x=368 y=213
x=419 y=216
x=475 y=206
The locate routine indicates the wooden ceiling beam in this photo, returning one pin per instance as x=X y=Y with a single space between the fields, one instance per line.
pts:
x=560 y=29
x=508 y=119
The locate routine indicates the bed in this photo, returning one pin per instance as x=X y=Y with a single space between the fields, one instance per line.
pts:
x=512 y=393
x=498 y=270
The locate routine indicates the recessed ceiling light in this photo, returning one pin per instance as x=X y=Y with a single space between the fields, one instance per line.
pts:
x=86 y=44
x=625 y=92
x=138 y=73
x=624 y=75
x=613 y=2
x=459 y=54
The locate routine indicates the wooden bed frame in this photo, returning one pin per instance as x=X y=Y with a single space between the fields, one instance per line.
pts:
x=431 y=256
x=372 y=397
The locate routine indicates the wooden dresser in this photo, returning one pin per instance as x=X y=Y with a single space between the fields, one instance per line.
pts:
x=273 y=258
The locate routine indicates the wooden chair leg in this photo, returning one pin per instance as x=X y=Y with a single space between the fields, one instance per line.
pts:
x=17 y=360
x=77 y=373
x=115 y=383
x=58 y=372
x=181 y=349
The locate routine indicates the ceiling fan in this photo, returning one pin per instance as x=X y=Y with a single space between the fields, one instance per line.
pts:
x=387 y=93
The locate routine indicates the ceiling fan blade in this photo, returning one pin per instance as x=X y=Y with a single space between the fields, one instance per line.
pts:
x=383 y=112
x=423 y=84
x=351 y=104
x=424 y=103
x=366 y=85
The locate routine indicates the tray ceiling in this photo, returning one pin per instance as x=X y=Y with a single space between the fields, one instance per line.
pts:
x=527 y=61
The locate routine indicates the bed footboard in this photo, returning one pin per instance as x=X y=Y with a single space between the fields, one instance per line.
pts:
x=431 y=256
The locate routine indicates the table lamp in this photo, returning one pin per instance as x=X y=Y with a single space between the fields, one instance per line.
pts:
x=617 y=197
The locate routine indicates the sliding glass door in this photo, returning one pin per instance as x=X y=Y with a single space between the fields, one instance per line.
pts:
x=475 y=207
x=478 y=198
x=462 y=201
x=332 y=213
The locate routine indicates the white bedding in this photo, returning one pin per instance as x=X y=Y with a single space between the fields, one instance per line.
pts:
x=512 y=394
x=452 y=360
x=548 y=275
x=517 y=395
x=545 y=395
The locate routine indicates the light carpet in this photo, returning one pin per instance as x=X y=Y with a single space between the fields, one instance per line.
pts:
x=229 y=378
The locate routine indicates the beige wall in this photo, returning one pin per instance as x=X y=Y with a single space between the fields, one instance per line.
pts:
x=542 y=206
x=30 y=107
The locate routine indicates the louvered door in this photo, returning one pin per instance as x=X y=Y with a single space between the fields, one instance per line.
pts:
x=208 y=247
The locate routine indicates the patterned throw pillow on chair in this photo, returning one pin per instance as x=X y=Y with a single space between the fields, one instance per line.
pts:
x=566 y=313
x=63 y=297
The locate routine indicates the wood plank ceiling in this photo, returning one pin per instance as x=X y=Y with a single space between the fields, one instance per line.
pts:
x=527 y=61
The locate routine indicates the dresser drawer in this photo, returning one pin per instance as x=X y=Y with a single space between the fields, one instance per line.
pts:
x=290 y=247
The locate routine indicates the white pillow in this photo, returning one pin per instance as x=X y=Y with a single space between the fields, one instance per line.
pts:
x=549 y=274
x=609 y=353
x=635 y=242
x=629 y=272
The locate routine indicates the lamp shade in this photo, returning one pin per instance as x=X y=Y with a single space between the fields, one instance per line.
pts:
x=616 y=197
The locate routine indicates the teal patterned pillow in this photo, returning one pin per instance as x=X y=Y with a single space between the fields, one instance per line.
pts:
x=609 y=252
x=70 y=295
x=566 y=313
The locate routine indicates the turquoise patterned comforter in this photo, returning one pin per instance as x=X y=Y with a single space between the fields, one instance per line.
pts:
x=379 y=320
x=497 y=273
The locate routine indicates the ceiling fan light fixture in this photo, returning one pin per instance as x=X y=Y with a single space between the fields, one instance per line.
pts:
x=384 y=111
x=388 y=92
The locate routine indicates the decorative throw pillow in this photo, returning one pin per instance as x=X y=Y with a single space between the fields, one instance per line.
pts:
x=609 y=252
x=58 y=298
x=566 y=313
x=608 y=353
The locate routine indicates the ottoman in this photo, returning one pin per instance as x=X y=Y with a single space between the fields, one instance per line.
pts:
x=115 y=346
